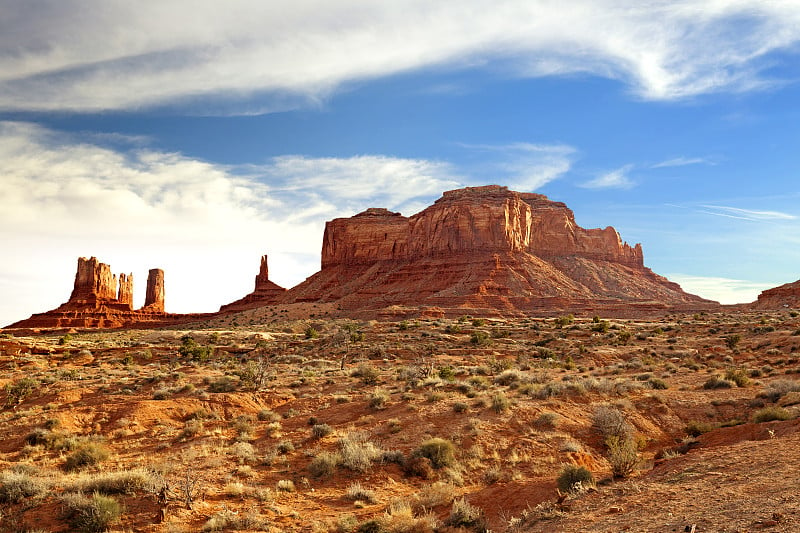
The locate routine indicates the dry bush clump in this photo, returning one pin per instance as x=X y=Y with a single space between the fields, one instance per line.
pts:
x=117 y=482
x=92 y=514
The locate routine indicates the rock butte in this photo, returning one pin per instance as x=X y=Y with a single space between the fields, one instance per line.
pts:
x=98 y=301
x=787 y=295
x=478 y=250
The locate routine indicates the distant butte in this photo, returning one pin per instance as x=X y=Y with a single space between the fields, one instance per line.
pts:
x=99 y=301
x=484 y=250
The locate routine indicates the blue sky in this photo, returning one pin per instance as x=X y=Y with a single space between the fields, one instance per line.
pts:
x=196 y=136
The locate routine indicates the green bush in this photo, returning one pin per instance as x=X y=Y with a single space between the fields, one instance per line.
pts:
x=717 y=382
x=223 y=384
x=738 y=376
x=480 y=338
x=500 y=402
x=573 y=477
x=440 y=452
x=732 y=341
x=18 y=390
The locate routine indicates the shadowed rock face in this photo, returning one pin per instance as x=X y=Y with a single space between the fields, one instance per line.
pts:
x=125 y=295
x=483 y=248
x=782 y=297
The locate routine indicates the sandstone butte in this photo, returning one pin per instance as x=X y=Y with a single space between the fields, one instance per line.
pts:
x=478 y=250
x=98 y=300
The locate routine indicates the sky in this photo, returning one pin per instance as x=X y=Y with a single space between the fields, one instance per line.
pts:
x=196 y=135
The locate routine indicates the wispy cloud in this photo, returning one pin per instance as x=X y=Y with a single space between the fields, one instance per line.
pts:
x=254 y=57
x=521 y=166
x=723 y=290
x=746 y=214
x=616 y=179
x=683 y=161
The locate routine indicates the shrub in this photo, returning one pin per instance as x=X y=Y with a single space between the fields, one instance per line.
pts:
x=480 y=338
x=464 y=514
x=418 y=466
x=695 y=428
x=768 y=414
x=321 y=430
x=368 y=374
x=223 y=384
x=611 y=422
x=738 y=376
x=547 y=420
x=622 y=454
x=435 y=495
x=378 y=399
x=18 y=486
x=324 y=464
x=311 y=333
x=573 y=478
x=357 y=492
x=460 y=407
x=357 y=453
x=228 y=520
x=780 y=388
x=731 y=341
x=657 y=384
x=285 y=485
x=18 y=390
x=440 y=452
x=190 y=348
x=92 y=514
x=119 y=482
x=500 y=403
x=87 y=455
x=268 y=415
x=601 y=326
x=717 y=382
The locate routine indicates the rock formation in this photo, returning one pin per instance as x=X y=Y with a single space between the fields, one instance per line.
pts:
x=486 y=249
x=98 y=301
x=264 y=293
x=125 y=294
x=782 y=297
x=154 y=297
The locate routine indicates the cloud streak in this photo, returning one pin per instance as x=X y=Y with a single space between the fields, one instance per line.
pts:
x=746 y=214
x=616 y=179
x=252 y=57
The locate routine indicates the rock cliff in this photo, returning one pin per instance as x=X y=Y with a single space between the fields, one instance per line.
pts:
x=154 y=297
x=484 y=248
x=782 y=297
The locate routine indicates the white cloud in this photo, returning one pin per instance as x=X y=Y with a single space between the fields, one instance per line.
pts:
x=723 y=290
x=67 y=55
x=682 y=162
x=747 y=214
x=205 y=224
x=616 y=179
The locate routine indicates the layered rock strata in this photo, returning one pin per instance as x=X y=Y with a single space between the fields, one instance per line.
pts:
x=484 y=248
x=782 y=297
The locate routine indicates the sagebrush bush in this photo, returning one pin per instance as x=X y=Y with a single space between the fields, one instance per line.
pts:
x=611 y=422
x=18 y=486
x=573 y=478
x=118 y=482
x=321 y=430
x=500 y=402
x=356 y=491
x=324 y=464
x=464 y=514
x=357 y=453
x=718 y=382
x=440 y=452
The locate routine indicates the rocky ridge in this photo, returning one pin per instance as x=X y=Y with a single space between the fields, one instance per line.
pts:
x=786 y=295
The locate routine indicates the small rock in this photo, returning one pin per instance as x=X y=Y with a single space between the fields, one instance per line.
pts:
x=614 y=509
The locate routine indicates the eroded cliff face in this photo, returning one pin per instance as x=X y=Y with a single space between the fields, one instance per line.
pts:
x=475 y=219
x=483 y=248
x=782 y=297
